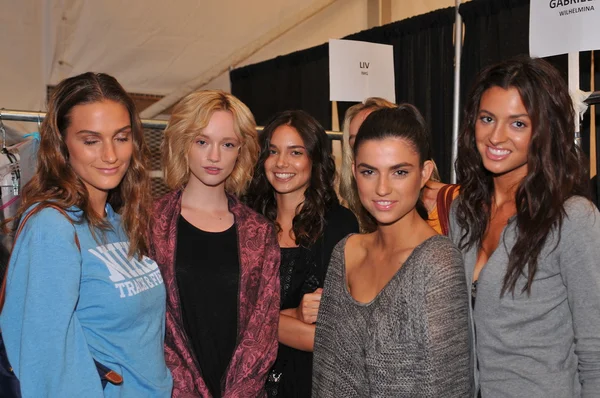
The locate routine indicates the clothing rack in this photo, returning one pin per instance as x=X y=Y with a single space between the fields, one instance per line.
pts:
x=37 y=117
x=593 y=99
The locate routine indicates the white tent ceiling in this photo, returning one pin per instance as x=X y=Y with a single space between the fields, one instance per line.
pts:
x=156 y=47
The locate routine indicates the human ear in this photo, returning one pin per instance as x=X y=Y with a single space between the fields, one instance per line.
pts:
x=426 y=171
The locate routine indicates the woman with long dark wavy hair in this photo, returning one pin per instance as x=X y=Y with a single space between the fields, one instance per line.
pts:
x=529 y=235
x=81 y=295
x=293 y=187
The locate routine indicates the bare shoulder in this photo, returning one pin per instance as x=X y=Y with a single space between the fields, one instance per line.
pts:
x=357 y=243
x=356 y=249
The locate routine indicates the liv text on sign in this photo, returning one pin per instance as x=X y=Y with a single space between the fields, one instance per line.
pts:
x=364 y=65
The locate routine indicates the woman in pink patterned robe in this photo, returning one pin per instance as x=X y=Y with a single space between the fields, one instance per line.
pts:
x=208 y=156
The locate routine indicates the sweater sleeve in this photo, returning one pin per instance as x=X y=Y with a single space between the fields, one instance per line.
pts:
x=259 y=340
x=44 y=340
x=447 y=320
x=580 y=270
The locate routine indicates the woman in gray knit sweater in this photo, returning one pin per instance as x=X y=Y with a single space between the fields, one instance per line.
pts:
x=393 y=319
x=529 y=235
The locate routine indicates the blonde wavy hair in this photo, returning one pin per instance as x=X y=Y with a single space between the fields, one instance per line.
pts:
x=189 y=117
x=348 y=190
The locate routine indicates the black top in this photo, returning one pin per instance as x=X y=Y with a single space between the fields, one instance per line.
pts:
x=303 y=271
x=298 y=273
x=208 y=272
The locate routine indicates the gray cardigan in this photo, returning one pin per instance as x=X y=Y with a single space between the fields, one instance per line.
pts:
x=547 y=344
x=412 y=340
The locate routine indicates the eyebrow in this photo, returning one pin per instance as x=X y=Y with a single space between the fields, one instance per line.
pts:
x=289 y=147
x=394 y=167
x=234 y=137
x=510 y=116
x=121 y=130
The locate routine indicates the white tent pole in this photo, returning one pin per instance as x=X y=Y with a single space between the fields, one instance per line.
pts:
x=235 y=58
x=456 y=106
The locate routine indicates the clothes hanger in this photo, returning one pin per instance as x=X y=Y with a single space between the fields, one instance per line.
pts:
x=3 y=131
x=13 y=167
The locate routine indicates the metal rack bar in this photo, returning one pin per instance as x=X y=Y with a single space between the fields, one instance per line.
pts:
x=593 y=99
x=35 y=117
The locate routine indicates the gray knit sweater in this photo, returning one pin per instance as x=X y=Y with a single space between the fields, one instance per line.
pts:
x=412 y=340
x=547 y=344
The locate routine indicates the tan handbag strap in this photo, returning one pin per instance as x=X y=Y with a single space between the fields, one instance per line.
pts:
x=33 y=211
x=444 y=201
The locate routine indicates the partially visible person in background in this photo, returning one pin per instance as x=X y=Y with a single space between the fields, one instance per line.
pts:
x=437 y=198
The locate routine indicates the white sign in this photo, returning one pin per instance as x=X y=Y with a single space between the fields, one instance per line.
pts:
x=563 y=26
x=358 y=70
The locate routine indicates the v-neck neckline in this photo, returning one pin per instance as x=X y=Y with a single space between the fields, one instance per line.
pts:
x=394 y=277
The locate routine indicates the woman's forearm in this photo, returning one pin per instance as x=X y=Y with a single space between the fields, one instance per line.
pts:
x=295 y=333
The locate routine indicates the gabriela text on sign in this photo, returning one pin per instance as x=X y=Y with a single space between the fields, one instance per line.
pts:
x=564 y=3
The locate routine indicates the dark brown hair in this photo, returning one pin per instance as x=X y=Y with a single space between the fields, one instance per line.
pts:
x=556 y=170
x=405 y=122
x=309 y=222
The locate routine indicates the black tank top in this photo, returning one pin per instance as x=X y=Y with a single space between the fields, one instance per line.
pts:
x=208 y=272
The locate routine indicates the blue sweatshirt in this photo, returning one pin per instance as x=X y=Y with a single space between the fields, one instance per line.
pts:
x=65 y=307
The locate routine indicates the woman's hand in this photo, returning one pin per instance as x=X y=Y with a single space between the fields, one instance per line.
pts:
x=309 y=307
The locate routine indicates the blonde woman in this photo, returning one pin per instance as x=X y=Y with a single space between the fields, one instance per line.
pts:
x=219 y=258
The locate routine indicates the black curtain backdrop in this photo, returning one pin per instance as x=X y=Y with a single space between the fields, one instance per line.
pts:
x=424 y=70
x=494 y=30
x=499 y=29
x=423 y=59
x=298 y=80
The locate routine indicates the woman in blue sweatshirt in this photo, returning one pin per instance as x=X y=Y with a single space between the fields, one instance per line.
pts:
x=80 y=289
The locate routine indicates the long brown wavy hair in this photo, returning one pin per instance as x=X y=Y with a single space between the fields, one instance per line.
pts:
x=309 y=223
x=555 y=164
x=55 y=180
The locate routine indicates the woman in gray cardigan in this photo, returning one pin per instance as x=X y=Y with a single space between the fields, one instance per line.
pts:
x=393 y=318
x=529 y=236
